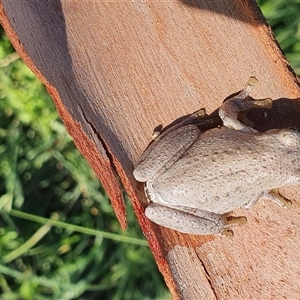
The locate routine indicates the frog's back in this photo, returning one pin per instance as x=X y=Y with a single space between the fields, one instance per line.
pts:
x=225 y=169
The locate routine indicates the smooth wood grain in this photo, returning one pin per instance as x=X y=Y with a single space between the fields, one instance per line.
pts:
x=116 y=70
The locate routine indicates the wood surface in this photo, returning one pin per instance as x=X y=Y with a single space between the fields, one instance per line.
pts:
x=116 y=70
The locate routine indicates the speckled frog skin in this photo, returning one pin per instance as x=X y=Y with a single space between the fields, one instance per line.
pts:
x=193 y=179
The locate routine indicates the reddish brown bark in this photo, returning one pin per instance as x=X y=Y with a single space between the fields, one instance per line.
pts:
x=117 y=70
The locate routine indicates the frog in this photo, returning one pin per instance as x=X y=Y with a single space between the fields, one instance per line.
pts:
x=195 y=179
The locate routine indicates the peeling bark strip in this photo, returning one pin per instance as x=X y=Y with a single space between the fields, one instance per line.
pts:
x=116 y=70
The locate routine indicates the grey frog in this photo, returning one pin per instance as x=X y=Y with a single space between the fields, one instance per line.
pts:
x=193 y=179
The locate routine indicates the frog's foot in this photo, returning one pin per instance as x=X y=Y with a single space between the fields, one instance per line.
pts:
x=234 y=110
x=230 y=221
x=274 y=195
x=198 y=117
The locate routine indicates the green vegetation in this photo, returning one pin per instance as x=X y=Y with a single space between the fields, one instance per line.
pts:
x=283 y=17
x=59 y=238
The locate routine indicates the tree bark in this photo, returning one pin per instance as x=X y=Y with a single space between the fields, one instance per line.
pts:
x=116 y=70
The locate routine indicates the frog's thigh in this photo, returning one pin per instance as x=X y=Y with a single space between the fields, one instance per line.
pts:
x=165 y=150
x=186 y=220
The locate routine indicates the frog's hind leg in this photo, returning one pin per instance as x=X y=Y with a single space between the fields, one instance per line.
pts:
x=192 y=220
x=233 y=111
x=164 y=151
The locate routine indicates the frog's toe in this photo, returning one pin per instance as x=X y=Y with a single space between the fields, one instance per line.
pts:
x=200 y=113
x=260 y=103
x=233 y=221
x=249 y=103
x=274 y=195
x=155 y=134
x=230 y=221
x=227 y=233
x=252 y=81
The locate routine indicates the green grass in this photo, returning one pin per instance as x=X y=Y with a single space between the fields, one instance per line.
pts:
x=284 y=18
x=59 y=238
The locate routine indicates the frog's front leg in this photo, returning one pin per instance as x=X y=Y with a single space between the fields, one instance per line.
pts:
x=236 y=108
x=164 y=151
x=192 y=220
